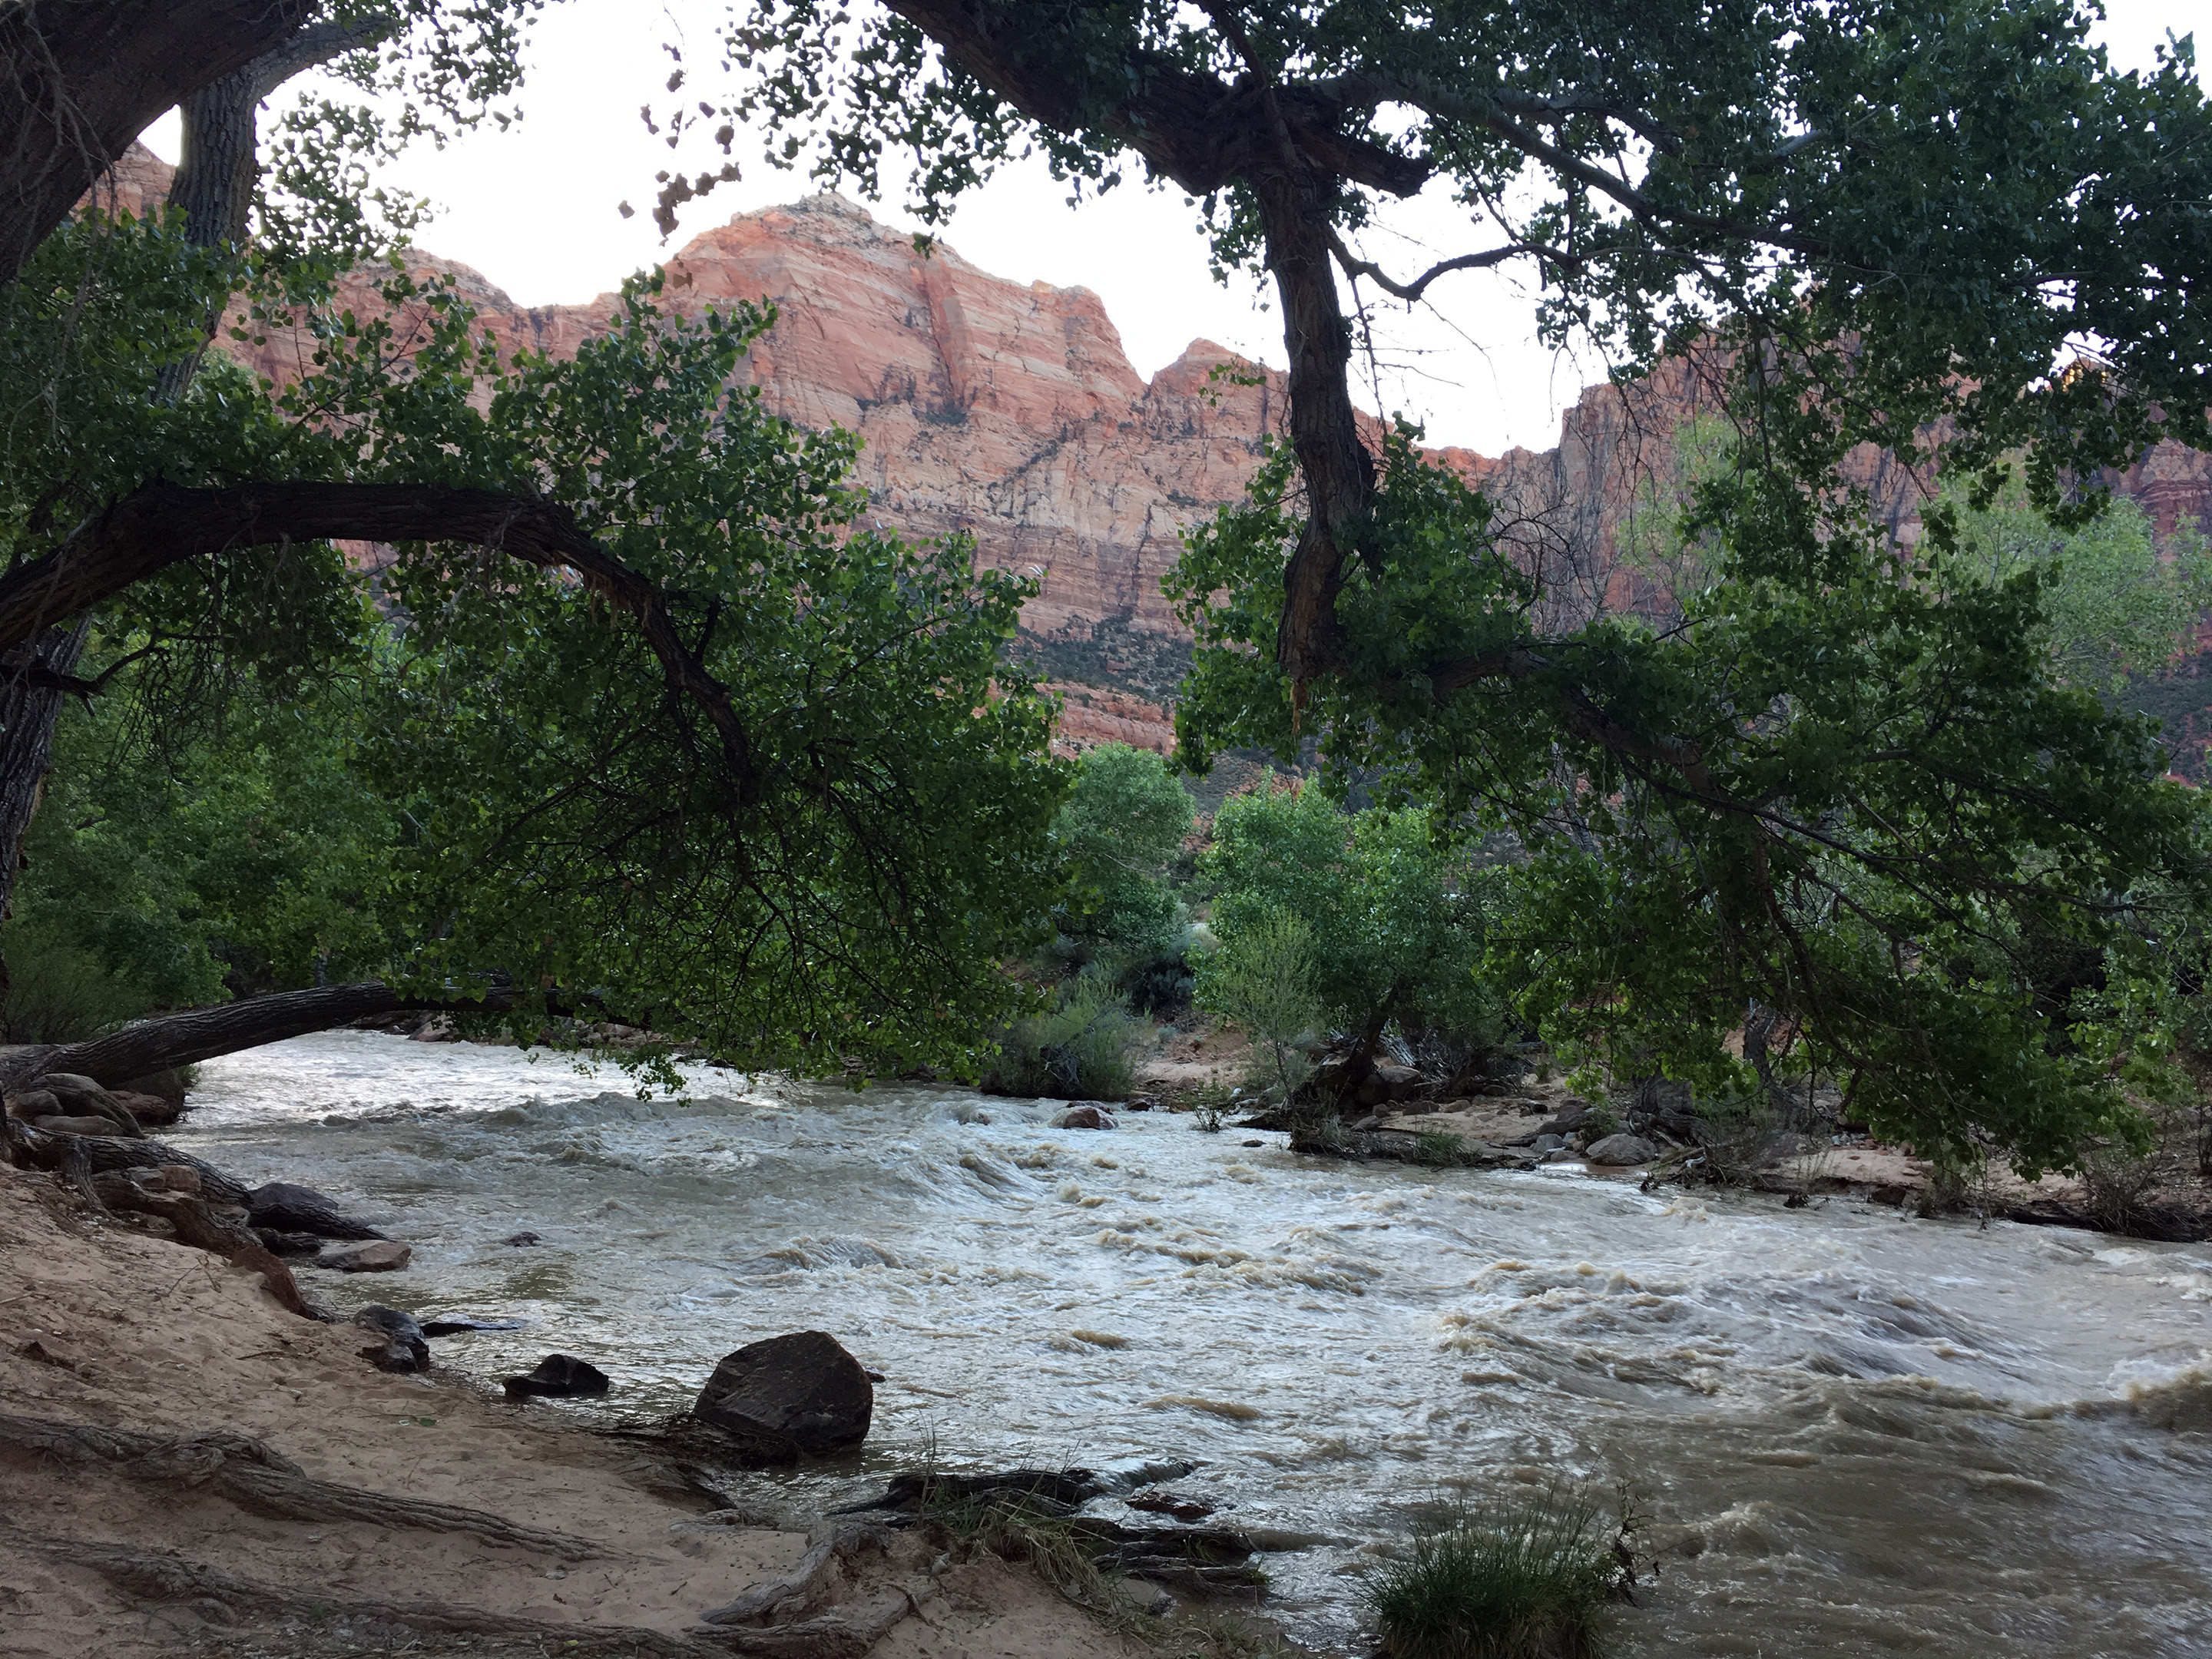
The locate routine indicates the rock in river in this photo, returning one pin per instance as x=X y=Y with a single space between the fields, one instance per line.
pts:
x=400 y=1347
x=291 y=1208
x=1621 y=1149
x=379 y=1256
x=789 y=1397
x=561 y=1375
x=1083 y=1115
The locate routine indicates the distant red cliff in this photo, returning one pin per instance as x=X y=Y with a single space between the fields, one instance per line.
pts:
x=1011 y=413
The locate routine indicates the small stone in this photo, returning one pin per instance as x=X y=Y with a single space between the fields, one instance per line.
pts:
x=1165 y=1500
x=1370 y=1121
x=1550 y=1143
x=1622 y=1150
x=376 y=1255
x=520 y=1240
x=1083 y=1117
x=1255 y=1143
x=559 y=1376
x=400 y=1347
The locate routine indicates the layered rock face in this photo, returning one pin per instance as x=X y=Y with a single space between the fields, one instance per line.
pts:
x=1007 y=413
x=1011 y=413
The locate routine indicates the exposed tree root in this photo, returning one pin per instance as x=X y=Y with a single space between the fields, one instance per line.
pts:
x=799 y=1592
x=175 y=1578
x=848 y=1633
x=257 y=1478
x=35 y=1149
x=198 y=1225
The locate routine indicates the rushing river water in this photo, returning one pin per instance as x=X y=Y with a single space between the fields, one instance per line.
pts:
x=1877 y=1434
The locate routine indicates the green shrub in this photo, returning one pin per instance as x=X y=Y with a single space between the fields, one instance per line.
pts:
x=1077 y=1049
x=60 y=992
x=1396 y=920
x=1121 y=825
x=1262 y=979
x=1530 y=1579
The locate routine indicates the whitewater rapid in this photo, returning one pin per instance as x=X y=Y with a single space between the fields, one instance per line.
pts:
x=1854 y=1432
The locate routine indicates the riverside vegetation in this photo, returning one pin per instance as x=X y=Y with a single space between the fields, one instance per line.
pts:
x=1838 y=830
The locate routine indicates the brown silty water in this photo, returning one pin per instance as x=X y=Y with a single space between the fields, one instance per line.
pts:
x=1849 y=1431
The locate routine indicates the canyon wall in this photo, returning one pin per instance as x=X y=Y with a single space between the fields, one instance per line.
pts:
x=1012 y=414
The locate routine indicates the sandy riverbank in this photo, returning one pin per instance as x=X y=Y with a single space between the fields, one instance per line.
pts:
x=104 y=1327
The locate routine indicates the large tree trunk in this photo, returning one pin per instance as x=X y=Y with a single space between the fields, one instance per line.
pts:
x=80 y=79
x=1339 y=475
x=160 y=525
x=197 y=1034
x=29 y=702
x=218 y=165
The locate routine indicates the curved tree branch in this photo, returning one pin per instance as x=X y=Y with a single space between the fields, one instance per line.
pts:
x=159 y=525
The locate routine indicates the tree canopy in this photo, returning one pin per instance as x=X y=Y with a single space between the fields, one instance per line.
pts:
x=1846 y=786
x=651 y=728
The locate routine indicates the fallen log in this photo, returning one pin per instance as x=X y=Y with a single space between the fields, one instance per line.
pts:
x=197 y=1034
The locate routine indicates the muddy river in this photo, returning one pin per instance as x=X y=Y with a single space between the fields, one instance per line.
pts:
x=1855 y=1432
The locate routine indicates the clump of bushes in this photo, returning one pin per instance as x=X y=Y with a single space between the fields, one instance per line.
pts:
x=1531 y=1579
x=1366 y=924
x=1077 y=1048
x=58 y=991
x=1262 y=979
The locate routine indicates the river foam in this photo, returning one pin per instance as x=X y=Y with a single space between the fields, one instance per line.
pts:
x=1854 y=1432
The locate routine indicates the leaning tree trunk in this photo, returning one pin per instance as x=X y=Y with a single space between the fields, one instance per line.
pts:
x=197 y=1034
x=216 y=174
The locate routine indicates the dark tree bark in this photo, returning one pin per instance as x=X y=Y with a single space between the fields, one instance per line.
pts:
x=29 y=701
x=219 y=165
x=80 y=79
x=1285 y=145
x=197 y=1034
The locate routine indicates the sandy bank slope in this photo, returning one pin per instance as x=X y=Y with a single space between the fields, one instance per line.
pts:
x=101 y=1326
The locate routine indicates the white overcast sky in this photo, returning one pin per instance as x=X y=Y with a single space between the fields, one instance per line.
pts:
x=535 y=209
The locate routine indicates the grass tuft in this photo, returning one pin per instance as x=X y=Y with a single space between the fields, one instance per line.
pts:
x=1525 y=1579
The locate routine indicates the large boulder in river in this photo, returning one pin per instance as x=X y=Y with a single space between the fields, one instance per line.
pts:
x=558 y=1376
x=795 y=1396
x=289 y=1207
x=1621 y=1149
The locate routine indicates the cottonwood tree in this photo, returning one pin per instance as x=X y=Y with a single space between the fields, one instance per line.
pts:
x=674 y=738
x=1844 y=791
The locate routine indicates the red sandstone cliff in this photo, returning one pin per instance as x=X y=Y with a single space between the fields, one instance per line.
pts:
x=1010 y=413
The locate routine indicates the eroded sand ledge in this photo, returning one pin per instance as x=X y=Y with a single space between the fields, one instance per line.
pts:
x=105 y=1326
